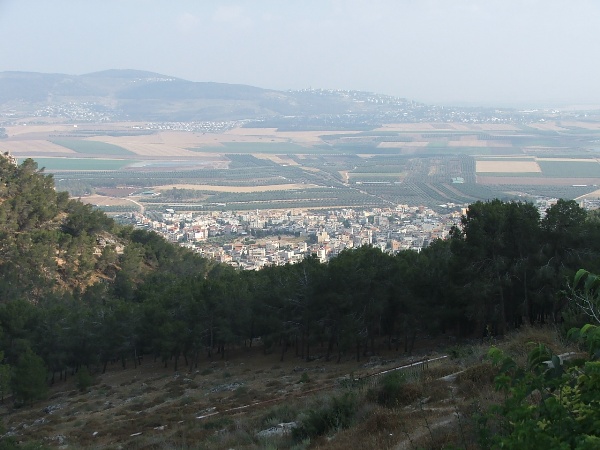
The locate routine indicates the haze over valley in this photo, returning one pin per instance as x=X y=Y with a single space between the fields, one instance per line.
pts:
x=308 y=225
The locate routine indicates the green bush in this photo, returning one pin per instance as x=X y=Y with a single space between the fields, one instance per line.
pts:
x=84 y=379
x=304 y=378
x=337 y=413
x=547 y=405
x=29 y=381
x=394 y=391
x=283 y=413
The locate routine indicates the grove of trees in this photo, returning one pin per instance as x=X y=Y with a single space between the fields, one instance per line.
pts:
x=67 y=302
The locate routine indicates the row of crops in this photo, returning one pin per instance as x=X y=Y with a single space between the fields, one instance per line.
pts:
x=248 y=202
x=566 y=192
x=345 y=195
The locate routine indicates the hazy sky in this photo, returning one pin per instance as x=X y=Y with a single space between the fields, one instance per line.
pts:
x=436 y=51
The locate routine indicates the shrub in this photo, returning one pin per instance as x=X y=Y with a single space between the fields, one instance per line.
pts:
x=283 y=413
x=29 y=380
x=547 y=405
x=394 y=391
x=304 y=378
x=336 y=414
x=83 y=379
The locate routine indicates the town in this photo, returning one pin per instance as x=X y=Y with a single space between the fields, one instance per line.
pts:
x=251 y=240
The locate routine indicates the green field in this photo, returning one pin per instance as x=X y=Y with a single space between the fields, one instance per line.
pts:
x=92 y=147
x=81 y=163
x=570 y=169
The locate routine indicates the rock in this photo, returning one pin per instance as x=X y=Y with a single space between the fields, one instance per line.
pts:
x=227 y=387
x=279 y=430
x=51 y=408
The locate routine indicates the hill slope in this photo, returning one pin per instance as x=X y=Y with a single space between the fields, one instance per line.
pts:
x=139 y=95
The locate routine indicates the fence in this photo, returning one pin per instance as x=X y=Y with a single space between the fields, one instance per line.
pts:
x=412 y=370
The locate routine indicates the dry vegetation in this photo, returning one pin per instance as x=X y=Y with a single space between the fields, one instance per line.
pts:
x=104 y=200
x=279 y=159
x=299 y=137
x=33 y=147
x=591 y=195
x=508 y=166
x=232 y=402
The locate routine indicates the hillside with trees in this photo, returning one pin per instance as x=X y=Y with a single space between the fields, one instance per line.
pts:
x=78 y=292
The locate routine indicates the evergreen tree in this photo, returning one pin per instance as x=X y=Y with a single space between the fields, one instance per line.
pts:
x=29 y=378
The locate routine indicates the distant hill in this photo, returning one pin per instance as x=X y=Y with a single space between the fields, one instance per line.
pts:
x=147 y=96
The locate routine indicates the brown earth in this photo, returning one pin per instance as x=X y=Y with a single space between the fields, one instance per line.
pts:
x=140 y=407
x=511 y=166
x=225 y=402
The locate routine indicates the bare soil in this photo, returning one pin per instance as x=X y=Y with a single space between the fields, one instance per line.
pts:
x=226 y=402
x=483 y=166
x=151 y=406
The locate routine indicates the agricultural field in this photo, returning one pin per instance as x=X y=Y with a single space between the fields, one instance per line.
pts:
x=550 y=171
x=91 y=164
x=234 y=189
x=424 y=163
x=276 y=148
x=508 y=166
x=34 y=147
x=570 y=169
x=83 y=146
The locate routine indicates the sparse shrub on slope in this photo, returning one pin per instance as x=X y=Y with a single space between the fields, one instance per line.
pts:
x=337 y=413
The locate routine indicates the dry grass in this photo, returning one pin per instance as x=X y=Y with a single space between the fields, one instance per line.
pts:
x=588 y=160
x=33 y=147
x=163 y=405
x=24 y=130
x=103 y=200
x=520 y=342
x=300 y=137
x=514 y=166
x=591 y=195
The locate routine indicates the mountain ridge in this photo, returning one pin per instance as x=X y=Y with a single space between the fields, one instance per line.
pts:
x=141 y=95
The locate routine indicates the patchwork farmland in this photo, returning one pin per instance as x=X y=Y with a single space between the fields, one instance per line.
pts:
x=247 y=168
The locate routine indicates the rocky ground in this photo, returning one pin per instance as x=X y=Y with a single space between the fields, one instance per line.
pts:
x=155 y=407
